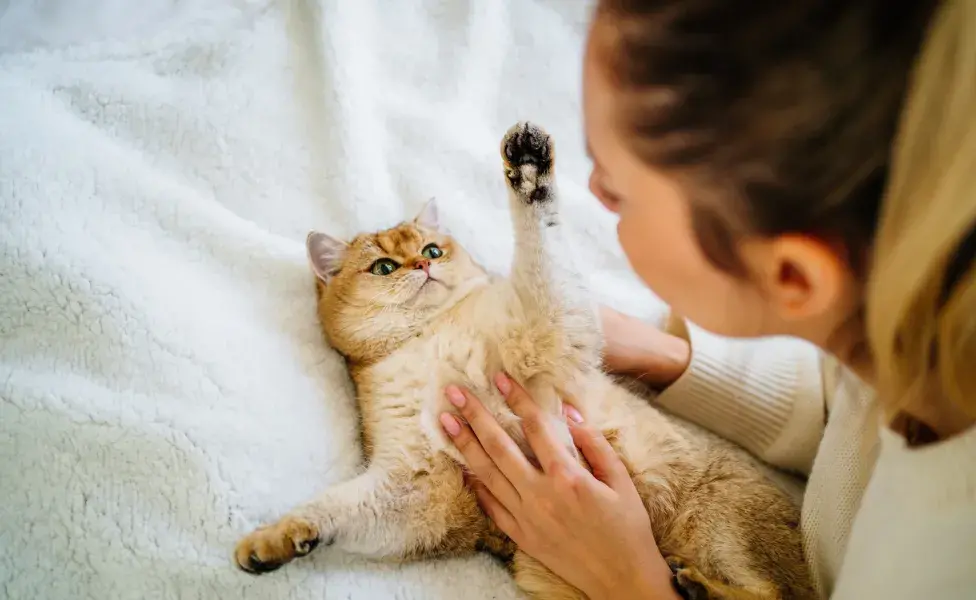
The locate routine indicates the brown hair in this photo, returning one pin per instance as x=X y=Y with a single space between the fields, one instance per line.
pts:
x=786 y=110
x=849 y=120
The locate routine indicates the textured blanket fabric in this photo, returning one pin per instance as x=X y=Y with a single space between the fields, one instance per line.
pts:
x=163 y=384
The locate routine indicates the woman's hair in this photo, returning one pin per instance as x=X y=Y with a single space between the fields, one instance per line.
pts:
x=853 y=121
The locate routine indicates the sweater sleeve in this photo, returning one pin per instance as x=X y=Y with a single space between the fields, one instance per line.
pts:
x=765 y=395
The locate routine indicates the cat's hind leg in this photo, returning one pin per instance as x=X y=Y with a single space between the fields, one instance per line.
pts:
x=695 y=585
x=539 y=583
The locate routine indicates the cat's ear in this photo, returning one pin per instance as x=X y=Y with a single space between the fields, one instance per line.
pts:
x=324 y=254
x=428 y=216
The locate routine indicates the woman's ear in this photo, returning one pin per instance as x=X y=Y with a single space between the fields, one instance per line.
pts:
x=804 y=278
x=325 y=254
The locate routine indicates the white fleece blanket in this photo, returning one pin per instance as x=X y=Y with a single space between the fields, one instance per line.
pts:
x=163 y=384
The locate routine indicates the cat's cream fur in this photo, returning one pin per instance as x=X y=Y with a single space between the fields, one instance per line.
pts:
x=727 y=530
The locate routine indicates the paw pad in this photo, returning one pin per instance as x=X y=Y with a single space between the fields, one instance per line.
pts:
x=527 y=151
x=528 y=144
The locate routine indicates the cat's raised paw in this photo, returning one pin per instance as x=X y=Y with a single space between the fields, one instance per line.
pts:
x=268 y=548
x=528 y=155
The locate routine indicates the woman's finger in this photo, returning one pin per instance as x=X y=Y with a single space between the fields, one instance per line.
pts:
x=539 y=426
x=603 y=460
x=572 y=413
x=496 y=443
x=497 y=511
x=478 y=461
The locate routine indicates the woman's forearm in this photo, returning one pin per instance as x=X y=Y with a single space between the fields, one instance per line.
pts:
x=766 y=395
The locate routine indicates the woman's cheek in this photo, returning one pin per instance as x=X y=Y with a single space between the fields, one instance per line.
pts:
x=639 y=248
x=654 y=255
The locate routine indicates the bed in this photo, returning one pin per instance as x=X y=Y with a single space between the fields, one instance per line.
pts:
x=163 y=384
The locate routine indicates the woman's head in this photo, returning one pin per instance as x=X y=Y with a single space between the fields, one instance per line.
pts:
x=751 y=152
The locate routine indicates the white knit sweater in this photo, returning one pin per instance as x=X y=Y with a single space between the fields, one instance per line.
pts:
x=880 y=520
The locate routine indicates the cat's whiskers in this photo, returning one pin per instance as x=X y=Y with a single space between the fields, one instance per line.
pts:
x=371 y=304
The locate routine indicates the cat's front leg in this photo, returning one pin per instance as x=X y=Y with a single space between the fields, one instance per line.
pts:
x=347 y=505
x=544 y=273
x=381 y=514
x=558 y=335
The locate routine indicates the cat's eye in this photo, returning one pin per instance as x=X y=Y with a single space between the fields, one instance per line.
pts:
x=432 y=251
x=384 y=266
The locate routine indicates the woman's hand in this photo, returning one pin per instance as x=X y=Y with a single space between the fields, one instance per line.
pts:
x=637 y=348
x=590 y=529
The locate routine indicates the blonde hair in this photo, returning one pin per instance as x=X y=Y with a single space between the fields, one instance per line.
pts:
x=921 y=296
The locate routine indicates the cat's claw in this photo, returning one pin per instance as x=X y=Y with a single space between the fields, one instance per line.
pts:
x=528 y=155
x=691 y=582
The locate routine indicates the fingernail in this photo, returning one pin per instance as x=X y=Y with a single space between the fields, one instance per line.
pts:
x=503 y=383
x=572 y=413
x=455 y=396
x=450 y=424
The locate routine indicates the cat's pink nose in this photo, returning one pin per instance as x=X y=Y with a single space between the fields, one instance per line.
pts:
x=422 y=264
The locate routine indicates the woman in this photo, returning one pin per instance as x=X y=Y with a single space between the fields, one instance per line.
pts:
x=803 y=168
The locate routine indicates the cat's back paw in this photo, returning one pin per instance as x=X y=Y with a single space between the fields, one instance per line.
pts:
x=689 y=580
x=528 y=155
x=692 y=584
x=268 y=548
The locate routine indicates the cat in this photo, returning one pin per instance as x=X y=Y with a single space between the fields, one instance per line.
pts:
x=412 y=312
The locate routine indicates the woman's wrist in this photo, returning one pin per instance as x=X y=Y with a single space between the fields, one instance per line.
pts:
x=666 y=362
x=657 y=584
x=637 y=348
x=650 y=580
x=640 y=574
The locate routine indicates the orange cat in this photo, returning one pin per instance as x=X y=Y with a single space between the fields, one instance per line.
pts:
x=412 y=312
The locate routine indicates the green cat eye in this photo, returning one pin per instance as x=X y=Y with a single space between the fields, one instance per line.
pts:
x=384 y=266
x=432 y=251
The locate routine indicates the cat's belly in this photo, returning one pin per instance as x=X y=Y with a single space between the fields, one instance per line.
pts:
x=481 y=386
x=408 y=391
